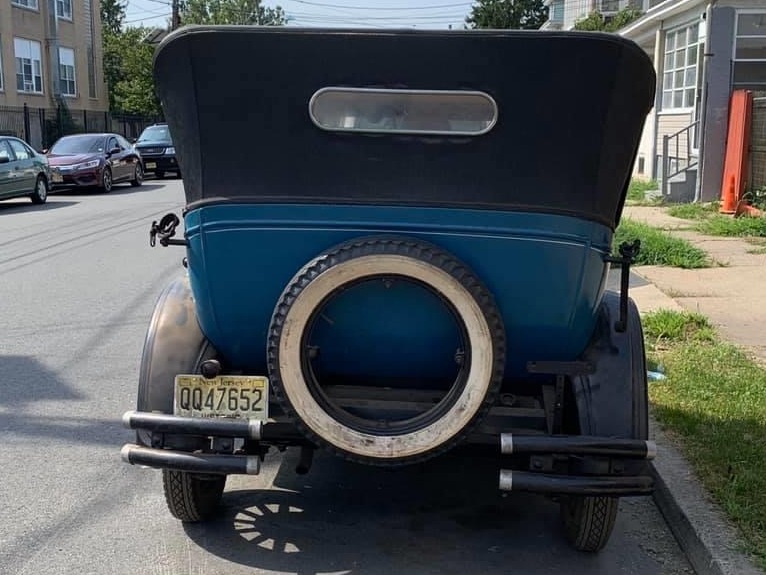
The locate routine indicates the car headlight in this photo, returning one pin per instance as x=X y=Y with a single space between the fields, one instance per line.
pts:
x=87 y=165
x=170 y=151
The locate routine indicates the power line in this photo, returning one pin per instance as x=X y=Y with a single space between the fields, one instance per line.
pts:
x=323 y=5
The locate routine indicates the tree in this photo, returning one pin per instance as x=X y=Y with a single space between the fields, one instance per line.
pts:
x=508 y=14
x=133 y=91
x=248 y=12
x=112 y=18
x=597 y=22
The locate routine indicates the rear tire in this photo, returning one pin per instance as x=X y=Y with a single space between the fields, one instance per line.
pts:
x=189 y=498
x=589 y=521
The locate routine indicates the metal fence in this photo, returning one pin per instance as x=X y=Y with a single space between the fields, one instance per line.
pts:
x=758 y=142
x=43 y=126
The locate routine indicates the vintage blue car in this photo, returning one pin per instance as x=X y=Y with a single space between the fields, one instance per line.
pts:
x=402 y=248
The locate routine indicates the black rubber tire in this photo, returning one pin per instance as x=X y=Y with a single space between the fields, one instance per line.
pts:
x=192 y=499
x=138 y=175
x=589 y=521
x=107 y=183
x=37 y=197
x=159 y=175
x=486 y=371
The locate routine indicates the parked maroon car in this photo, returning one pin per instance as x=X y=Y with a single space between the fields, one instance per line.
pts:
x=94 y=160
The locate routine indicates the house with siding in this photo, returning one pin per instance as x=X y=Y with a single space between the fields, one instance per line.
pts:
x=49 y=50
x=702 y=50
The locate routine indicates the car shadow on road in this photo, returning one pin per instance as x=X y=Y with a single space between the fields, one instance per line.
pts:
x=446 y=516
x=24 y=205
x=117 y=190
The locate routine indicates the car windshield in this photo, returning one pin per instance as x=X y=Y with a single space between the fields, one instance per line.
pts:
x=78 y=145
x=155 y=134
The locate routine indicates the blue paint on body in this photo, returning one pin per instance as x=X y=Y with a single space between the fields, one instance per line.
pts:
x=547 y=274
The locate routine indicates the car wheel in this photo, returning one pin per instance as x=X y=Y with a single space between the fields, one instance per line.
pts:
x=41 y=191
x=303 y=392
x=106 y=180
x=159 y=175
x=138 y=176
x=192 y=499
x=589 y=521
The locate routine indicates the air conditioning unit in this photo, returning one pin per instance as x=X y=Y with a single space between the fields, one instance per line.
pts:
x=29 y=87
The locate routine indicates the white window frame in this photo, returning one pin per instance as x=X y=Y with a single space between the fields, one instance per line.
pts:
x=30 y=55
x=65 y=67
x=2 y=85
x=746 y=12
x=683 y=69
x=27 y=4
x=61 y=6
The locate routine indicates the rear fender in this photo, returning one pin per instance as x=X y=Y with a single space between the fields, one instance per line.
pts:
x=174 y=344
x=613 y=401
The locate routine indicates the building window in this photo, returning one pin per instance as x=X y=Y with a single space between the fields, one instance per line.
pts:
x=29 y=75
x=679 y=79
x=750 y=51
x=31 y=4
x=66 y=72
x=64 y=9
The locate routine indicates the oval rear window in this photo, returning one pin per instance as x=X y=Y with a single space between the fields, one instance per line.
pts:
x=392 y=111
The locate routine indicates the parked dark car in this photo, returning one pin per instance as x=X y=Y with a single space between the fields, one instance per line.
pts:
x=155 y=145
x=23 y=172
x=94 y=160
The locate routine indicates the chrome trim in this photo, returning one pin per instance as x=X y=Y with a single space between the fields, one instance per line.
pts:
x=506 y=480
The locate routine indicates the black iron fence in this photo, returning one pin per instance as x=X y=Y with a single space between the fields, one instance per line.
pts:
x=43 y=126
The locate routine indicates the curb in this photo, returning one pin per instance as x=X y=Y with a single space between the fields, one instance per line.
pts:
x=703 y=533
x=710 y=542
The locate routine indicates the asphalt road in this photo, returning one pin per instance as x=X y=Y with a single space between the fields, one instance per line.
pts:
x=78 y=283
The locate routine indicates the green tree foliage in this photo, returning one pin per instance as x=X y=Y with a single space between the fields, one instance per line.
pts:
x=133 y=91
x=596 y=22
x=508 y=14
x=112 y=17
x=247 y=12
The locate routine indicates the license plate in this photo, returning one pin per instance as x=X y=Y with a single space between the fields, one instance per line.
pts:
x=150 y=165
x=57 y=178
x=245 y=396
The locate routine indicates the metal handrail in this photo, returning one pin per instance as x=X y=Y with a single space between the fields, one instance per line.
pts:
x=686 y=157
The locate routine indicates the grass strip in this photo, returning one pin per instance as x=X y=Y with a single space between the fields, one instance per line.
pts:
x=713 y=403
x=659 y=248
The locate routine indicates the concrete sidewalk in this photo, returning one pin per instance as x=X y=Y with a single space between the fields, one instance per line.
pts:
x=730 y=296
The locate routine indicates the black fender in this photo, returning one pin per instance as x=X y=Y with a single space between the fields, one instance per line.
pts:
x=174 y=344
x=612 y=401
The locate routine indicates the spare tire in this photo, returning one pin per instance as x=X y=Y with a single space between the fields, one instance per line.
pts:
x=440 y=427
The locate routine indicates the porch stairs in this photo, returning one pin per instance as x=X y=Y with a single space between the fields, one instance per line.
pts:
x=678 y=173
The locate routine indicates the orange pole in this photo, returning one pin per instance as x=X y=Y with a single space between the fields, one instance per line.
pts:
x=729 y=198
x=737 y=145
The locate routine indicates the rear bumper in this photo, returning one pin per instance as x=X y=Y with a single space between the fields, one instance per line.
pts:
x=546 y=464
x=153 y=164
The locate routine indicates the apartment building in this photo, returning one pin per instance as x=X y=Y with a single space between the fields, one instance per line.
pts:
x=51 y=49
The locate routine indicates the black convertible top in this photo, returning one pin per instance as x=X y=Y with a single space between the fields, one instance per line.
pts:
x=568 y=109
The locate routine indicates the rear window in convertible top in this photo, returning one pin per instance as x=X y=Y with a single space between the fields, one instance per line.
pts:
x=374 y=110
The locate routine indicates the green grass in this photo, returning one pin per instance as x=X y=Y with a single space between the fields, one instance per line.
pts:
x=722 y=225
x=659 y=248
x=637 y=191
x=693 y=211
x=713 y=403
